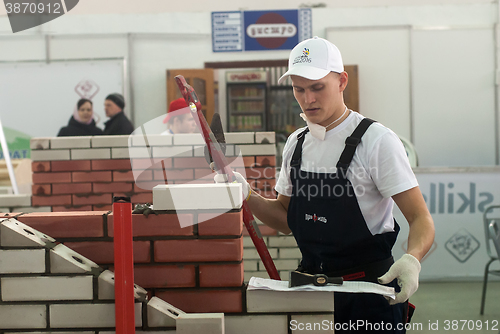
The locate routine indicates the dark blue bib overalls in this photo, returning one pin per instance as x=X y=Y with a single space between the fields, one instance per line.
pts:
x=334 y=239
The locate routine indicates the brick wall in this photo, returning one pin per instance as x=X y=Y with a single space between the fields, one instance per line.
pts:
x=58 y=285
x=89 y=163
x=45 y=285
x=179 y=265
x=282 y=248
x=84 y=173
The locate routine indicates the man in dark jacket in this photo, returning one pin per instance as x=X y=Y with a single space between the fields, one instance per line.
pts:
x=118 y=123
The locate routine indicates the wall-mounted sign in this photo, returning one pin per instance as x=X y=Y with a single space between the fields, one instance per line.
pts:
x=247 y=76
x=260 y=30
x=457 y=202
x=227 y=31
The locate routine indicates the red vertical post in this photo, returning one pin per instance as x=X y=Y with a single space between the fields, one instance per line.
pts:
x=124 y=266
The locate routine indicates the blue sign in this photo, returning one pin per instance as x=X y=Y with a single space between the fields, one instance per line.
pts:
x=260 y=30
x=265 y=30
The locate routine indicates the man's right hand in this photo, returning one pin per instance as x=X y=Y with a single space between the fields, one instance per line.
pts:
x=247 y=190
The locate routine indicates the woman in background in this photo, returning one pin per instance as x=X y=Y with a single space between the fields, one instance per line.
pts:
x=82 y=122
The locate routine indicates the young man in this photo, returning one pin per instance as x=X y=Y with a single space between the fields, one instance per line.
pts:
x=179 y=118
x=339 y=180
x=118 y=123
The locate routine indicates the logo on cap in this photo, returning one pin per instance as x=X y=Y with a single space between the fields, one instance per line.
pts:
x=304 y=58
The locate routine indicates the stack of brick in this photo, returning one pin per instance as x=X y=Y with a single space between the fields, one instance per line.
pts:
x=198 y=268
x=46 y=287
x=84 y=173
x=78 y=170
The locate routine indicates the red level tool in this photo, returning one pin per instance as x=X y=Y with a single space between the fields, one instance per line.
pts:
x=124 y=266
x=220 y=161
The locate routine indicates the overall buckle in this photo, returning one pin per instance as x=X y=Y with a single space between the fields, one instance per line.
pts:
x=352 y=141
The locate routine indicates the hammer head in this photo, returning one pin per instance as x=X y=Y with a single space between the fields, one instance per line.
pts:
x=218 y=131
x=297 y=279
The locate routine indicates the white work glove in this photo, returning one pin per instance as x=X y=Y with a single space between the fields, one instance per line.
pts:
x=406 y=270
x=247 y=190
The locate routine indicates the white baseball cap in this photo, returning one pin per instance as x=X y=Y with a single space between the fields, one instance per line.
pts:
x=313 y=59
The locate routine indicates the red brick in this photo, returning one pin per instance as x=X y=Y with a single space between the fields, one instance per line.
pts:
x=102 y=252
x=148 y=164
x=204 y=301
x=120 y=176
x=142 y=198
x=104 y=176
x=247 y=161
x=51 y=200
x=71 y=188
x=146 y=187
x=157 y=225
x=120 y=195
x=174 y=174
x=112 y=187
x=102 y=207
x=111 y=164
x=142 y=251
x=265 y=160
x=174 y=276
x=40 y=166
x=40 y=178
x=204 y=173
x=59 y=208
x=66 y=224
x=221 y=275
x=193 y=162
x=92 y=199
x=199 y=250
x=264 y=230
x=70 y=165
x=229 y=223
x=41 y=189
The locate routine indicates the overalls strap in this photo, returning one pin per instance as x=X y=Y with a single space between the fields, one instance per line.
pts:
x=297 y=154
x=351 y=143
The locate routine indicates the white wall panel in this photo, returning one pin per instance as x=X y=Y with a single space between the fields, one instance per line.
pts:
x=383 y=60
x=454 y=97
x=39 y=98
x=88 y=47
x=23 y=48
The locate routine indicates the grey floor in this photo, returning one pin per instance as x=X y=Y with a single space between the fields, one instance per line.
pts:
x=442 y=301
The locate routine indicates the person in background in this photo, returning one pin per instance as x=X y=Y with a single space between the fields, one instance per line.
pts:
x=82 y=122
x=179 y=118
x=118 y=123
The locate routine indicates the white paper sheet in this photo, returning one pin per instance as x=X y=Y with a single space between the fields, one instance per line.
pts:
x=257 y=283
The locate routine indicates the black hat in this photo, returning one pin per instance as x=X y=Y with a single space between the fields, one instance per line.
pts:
x=117 y=99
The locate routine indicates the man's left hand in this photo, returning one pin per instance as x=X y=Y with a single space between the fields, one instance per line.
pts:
x=406 y=270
